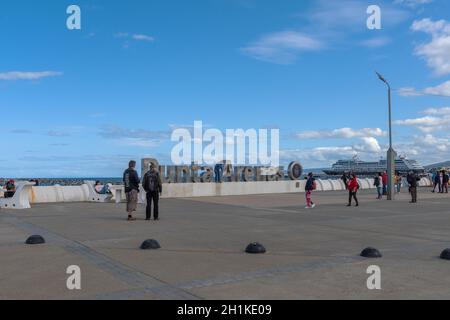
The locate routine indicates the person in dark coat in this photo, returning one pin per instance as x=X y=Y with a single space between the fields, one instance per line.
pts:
x=412 y=179
x=153 y=187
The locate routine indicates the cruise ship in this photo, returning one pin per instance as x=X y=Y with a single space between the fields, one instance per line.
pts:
x=402 y=165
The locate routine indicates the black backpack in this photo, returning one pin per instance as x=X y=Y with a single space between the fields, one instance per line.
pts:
x=152 y=181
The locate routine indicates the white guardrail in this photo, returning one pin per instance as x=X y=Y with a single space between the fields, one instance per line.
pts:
x=85 y=193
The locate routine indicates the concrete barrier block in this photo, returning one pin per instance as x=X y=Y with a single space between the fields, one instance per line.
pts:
x=21 y=198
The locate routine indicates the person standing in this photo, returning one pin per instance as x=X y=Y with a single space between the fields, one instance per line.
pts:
x=441 y=181
x=309 y=187
x=385 y=183
x=445 y=181
x=378 y=184
x=344 y=179
x=131 y=181
x=218 y=172
x=153 y=187
x=412 y=179
x=398 y=182
x=353 y=190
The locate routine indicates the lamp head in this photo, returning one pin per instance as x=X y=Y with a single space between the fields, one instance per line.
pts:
x=381 y=77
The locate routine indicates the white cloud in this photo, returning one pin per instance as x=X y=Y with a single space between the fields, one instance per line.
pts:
x=442 y=90
x=436 y=120
x=20 y=75
x=369 y=144
x=282 y=47
x=342 y=133
x=436 y=52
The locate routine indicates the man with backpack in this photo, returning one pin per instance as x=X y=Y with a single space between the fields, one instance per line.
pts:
x=153 y=187
x=309 y=187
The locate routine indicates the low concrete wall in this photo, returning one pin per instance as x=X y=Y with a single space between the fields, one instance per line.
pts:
x=187 y=190
x=57 y=193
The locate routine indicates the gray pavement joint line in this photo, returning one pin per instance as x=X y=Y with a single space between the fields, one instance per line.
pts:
x=125 y=273
x=240 y=277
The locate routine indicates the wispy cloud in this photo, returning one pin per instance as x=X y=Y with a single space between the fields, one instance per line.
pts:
x=324 y=25
x=134 y=137
x=281 y=47
x=20 y=75
x=442 y=90
x=21 y=131
x=376 y=42
x=342 y=133
x=413 y=3
x=135 y=37
x=57 y=133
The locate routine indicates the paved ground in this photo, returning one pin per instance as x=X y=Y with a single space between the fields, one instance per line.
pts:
x=311 y=254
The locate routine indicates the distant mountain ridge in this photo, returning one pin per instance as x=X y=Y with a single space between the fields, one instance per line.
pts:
x=438 y=165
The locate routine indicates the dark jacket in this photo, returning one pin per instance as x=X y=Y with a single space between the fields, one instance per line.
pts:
x=152 y=182
x=446 y=178
x=377 y=182
x=131 y=180
x=412 y=180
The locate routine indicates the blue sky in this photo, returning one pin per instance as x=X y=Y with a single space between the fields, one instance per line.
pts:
x=84 y=102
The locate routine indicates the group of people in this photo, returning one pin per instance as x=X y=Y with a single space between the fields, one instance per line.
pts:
x=440 y=181
x=351 y=183
x=152 y=185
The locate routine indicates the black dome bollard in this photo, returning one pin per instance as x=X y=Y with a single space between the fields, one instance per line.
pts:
x=371 y=253
x=255 y=248
x=36 y=239
x=150 y=244
x=445 y=254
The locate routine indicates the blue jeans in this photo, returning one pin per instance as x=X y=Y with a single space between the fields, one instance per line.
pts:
x=218 y=173
x=380 y=192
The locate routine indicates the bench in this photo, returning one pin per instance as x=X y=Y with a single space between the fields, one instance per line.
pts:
x=94 y=196
x=21 y=198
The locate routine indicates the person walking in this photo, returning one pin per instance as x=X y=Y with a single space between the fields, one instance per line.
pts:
x=353 y=190
x=378 y=184
x=131 y=181
x=435 y=180
x=309 y=187
x=153 y=187
x=412 y=179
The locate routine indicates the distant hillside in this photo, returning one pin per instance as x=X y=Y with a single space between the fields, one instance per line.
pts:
x=438 y=165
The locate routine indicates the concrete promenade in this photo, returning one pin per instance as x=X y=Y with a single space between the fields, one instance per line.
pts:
x=312 y=254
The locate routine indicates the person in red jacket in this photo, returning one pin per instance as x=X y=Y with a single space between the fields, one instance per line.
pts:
x=353 y=190
x=385 y=183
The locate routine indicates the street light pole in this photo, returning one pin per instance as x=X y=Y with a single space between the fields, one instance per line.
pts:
x=391 y=154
